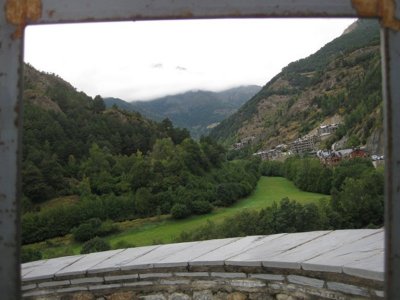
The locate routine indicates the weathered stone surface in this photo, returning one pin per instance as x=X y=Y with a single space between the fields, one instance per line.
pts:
x=121 y=277
x=121 y=296
x=274 y=245
x=203 y=295
x=260 y=296
x=154 y=275
x=370 y=242
x=282 y=297
x=87 y=280
x=73 y=289
x=36 y=293
x=54 y=283
x=137 y=284
x=380 y=294
x=192 y=274
x=204 y=284
x=174 y=282
x=194 y=251
x=247 y=283
x=178 y=296
x=50 y=267
x=236 y=296
x=269 y=277
x=28 y=287
x=82 y=296
x=154 y=297
x=357 y=253
x=86 y=262
x=220 y=296
x=228 y=275
x=276 y=286
x=347 y=288
x=315 y=247
x=371 y=267
x=116 y=261
x=219 y=255
x=157 y=254
x=105 y=286
x=305 y=281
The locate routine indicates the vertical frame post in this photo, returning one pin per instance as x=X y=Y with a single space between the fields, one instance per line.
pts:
x=390 y=42
x=10 y=150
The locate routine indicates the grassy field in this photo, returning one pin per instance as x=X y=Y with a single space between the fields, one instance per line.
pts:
x=162 y=229
x=269 y=189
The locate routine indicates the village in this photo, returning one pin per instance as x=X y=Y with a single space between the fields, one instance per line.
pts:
x=308 y=145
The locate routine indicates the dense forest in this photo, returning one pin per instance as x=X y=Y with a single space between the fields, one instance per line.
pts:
x=118 y=164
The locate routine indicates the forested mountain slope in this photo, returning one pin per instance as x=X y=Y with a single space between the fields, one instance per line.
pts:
x=339 y=83
x=198 y=111
x=113 y=164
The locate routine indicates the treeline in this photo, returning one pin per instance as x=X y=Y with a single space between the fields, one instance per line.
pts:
x=356 y=202
x=355 y=185
x=181 y=179
x=287 y=216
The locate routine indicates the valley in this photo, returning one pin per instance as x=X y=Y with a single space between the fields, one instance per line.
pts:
x=162 y=229
x=103 y=173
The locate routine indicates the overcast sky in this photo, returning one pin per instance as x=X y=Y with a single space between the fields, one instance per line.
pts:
x=144 y=60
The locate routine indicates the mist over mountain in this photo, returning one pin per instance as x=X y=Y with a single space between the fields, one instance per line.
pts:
x=198 y=111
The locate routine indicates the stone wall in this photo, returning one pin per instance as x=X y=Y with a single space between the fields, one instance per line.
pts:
x=262 y=267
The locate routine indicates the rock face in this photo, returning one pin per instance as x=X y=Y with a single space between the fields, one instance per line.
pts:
x=344 y=264
x=375 y=143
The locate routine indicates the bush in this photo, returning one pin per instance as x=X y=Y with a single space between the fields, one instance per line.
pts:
x=107 y=228
x=180 y=211
x=92 y=228
x=201 y=207
x=29 y=254
x=87 y=230
x=95 y=245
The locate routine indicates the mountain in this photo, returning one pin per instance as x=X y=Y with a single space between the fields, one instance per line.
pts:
x=340 y=83
x=61 y=125
x=198 y=111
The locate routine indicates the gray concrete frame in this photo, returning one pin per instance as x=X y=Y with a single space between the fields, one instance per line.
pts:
x=16 y=14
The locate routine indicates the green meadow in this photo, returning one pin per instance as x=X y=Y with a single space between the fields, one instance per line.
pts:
x=163 y=229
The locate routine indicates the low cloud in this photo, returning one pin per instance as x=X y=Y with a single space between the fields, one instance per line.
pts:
x=157 y=66
x=179 y=68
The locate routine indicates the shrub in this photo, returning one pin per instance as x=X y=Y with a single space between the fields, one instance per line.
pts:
x=87 y=230
x=92 y=228
x=180 y=211
x=201 y=207
x=95 y=245
x=29 y=254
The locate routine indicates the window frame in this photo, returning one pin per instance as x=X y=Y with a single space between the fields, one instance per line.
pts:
x=17 y=14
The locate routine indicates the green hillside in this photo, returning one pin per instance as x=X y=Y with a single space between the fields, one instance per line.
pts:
x=339 y=83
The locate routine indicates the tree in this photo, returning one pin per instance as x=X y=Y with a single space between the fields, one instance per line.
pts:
x=98 y=104
x=144 y=201
x=180 y=211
